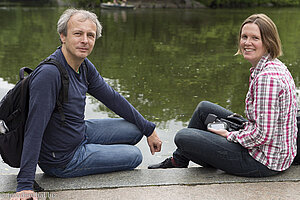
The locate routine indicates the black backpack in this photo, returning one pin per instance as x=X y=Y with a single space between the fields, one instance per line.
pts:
x=14 y=110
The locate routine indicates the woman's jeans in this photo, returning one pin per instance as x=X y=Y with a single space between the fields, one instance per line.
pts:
x=205 y=148
x=109 y=146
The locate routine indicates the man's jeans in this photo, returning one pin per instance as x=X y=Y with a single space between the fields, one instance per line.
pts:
x=197 y=144
x=109 y=146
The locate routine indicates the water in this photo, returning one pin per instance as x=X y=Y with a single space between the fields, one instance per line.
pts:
x=163 y=61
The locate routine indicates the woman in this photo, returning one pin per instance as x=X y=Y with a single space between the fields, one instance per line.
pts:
x=267 y=144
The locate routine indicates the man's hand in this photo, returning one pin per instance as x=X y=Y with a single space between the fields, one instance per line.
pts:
x=154 y=143
x=25 y=195
x=221 y=132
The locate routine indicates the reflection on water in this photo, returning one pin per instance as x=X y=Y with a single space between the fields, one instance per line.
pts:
x=4 y=87
x=117 y=15
x=163 y=61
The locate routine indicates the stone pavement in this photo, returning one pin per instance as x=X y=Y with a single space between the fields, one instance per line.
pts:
x=144 y=184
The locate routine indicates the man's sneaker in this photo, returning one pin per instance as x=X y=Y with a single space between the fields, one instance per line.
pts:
x=168 y=163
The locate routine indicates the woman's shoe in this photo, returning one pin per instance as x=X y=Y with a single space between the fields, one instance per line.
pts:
x=168 y=163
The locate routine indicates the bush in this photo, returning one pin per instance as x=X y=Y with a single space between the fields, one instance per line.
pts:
x=248 y=3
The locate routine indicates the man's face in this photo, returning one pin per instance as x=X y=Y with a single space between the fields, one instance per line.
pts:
x=80 y=39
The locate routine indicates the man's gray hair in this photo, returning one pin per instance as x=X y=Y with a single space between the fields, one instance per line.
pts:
x=62 y=24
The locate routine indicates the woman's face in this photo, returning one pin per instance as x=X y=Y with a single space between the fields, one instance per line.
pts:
x=251 y=44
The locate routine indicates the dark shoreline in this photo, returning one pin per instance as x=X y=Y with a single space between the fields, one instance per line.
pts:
x=166 y=4
x=147 y=4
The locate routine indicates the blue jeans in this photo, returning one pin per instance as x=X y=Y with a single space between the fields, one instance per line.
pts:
x=109 y=146
x=205 y=148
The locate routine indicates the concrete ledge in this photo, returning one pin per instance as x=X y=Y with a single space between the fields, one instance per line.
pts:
x=145 y=177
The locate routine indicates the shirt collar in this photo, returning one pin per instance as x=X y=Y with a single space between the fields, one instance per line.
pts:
x=260 y=66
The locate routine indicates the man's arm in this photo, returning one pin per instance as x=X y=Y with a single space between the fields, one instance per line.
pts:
x=118 y=104
x=99 y=89
x=43 y=91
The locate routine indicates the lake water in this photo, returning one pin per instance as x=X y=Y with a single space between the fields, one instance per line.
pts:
x=163 y=61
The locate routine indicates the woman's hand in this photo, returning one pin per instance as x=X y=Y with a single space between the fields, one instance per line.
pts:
x=221 y=132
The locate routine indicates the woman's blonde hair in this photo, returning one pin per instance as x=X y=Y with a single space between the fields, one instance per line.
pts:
x=269 y=34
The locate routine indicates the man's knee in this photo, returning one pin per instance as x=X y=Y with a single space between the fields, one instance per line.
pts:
x=136 y=157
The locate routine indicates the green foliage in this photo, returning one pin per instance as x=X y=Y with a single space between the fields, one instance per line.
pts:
x=286 y=2
x=248 y=3
x=208 y=3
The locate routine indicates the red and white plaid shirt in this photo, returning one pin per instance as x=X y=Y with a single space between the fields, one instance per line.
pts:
x=271 y=108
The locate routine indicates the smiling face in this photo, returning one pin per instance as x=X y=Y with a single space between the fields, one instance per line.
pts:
x=79 y=41
x=251 y=45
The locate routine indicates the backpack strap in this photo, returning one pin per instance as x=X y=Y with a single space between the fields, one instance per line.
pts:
x=64 y=78
x=22 y=72
x=63 y=93
x=85 y=71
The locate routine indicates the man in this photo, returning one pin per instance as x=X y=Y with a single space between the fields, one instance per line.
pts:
x=79 y=147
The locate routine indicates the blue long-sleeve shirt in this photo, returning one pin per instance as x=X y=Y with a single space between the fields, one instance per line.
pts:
x=46 y=140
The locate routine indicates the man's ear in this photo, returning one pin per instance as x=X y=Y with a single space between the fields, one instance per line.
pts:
x=62 y=38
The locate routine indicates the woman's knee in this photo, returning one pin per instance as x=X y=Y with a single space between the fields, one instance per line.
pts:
x=202 y=109
x=203 y=104
x=182 y=137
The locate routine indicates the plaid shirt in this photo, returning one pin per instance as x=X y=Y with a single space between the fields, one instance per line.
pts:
x=271 y=108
